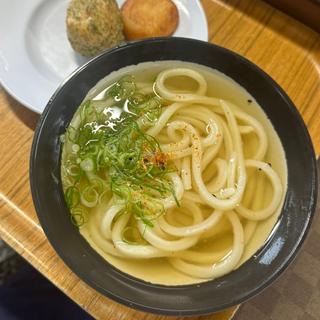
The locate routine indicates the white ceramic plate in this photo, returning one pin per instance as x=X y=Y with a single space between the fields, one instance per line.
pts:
x=35 y=54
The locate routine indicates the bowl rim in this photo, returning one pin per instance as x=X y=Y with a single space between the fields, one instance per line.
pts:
x=163 y=311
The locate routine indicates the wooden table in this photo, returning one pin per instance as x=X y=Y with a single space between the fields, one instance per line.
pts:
x=283 y=47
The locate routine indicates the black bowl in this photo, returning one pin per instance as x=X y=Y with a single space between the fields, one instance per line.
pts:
x=234 y=288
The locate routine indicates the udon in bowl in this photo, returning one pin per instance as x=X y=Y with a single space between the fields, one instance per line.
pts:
x=212 y=296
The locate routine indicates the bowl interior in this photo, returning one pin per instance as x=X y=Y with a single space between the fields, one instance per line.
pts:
x=203 y=298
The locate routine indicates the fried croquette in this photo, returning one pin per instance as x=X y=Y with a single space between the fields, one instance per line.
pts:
x=149 y=18
x=94 y=25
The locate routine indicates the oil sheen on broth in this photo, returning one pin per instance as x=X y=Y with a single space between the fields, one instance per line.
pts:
x=258 y=191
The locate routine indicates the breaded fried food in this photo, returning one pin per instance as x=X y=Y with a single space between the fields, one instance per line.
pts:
x=149 y=18
x=94 y=25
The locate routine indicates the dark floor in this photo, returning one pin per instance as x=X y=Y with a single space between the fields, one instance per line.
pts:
x=26 y=295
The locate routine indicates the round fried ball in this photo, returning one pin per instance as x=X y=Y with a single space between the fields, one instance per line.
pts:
x=149 y=18
x=94 y=25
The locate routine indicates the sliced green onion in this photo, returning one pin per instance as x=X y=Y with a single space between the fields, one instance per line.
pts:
x=79 y=216
x=100 y=143
x=131 y=235
x=73 y=170
x=72 y=196
x=104 y=197
x=87 y=165
x=75 y=148
x=89 y=197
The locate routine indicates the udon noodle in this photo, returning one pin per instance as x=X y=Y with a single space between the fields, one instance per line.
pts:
x=217 y=184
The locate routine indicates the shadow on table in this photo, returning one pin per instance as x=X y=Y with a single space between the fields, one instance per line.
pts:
x=28 y=117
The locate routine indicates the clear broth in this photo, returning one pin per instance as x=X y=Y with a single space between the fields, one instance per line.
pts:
x=159 y=271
